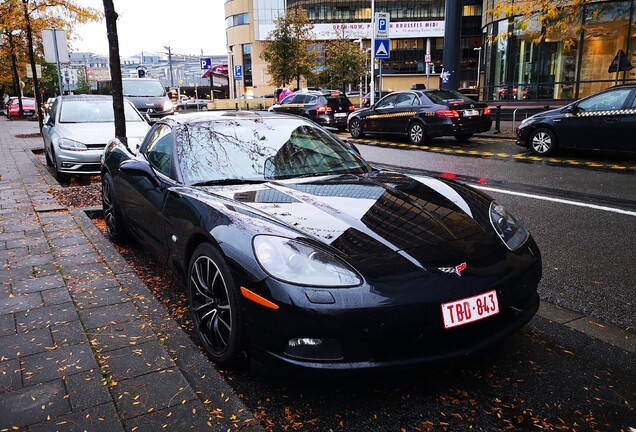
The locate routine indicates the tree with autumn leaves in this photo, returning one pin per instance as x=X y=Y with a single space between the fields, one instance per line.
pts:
x=21 y=25
x=557 y=19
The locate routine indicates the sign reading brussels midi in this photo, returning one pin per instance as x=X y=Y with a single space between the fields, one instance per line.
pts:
x=397 y=30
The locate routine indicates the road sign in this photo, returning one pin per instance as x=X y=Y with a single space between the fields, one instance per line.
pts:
x=238 y=72
x=620 y=63
x=382 y=24
x=382 y=49
x=427 y=58
x=206 y=63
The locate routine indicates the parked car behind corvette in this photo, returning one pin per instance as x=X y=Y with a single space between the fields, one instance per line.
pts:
x=605 y=122
x=79 y=127
x=295 y=250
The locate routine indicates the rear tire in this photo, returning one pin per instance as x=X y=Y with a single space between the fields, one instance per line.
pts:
x=463 y=137
x=416 y=133
x=115 y=228
x=542 y=142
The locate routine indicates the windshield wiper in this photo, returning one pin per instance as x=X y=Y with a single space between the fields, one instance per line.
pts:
x=223 y=182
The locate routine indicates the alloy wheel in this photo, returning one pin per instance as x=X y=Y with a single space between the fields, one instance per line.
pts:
x=210 y=304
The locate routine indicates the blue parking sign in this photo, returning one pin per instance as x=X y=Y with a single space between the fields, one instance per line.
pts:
x=206 y=63
x=238 y=72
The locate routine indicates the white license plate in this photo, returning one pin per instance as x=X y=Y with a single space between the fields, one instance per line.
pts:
x=340 y=115
x=471 y=113
x=470 y=309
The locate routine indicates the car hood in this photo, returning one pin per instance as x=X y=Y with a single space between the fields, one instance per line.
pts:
x=410 y=222
x=99 y=133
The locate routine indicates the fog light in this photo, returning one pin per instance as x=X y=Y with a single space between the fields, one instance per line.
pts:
x=314 y=349
x=67 y=164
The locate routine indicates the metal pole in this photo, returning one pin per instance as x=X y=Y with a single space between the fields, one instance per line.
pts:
x=478 y=49
x=57 y=60
x=360 y=84
x=372 y=89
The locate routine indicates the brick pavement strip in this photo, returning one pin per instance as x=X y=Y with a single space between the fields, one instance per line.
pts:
x=84 y=345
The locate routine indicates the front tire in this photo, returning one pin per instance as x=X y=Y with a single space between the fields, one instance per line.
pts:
x=59 y=176
x=355 y=128
x=214 y=305
x=542 y=142
x=416 y=133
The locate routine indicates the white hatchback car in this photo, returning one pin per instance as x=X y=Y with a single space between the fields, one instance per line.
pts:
x=78 y=128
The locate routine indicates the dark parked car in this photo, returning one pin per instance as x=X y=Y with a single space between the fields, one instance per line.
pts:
x=422 y=114
x=605 y=121
x=326 y=107
x=296 y=250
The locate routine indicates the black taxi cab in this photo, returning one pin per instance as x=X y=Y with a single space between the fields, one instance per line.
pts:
x=604 y=121
x=422 y=114
x=328 y=108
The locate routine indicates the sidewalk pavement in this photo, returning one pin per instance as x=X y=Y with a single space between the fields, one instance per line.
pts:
x=84 y=344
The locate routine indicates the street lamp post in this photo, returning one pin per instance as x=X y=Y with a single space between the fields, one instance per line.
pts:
x=478 y=49
x=230 y=69
x=170 y=65
x=372 y=89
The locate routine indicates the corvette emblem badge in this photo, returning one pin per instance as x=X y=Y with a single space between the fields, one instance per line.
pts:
x=458 y=269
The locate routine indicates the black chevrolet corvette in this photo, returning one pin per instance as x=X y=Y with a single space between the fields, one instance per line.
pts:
x=294 y=249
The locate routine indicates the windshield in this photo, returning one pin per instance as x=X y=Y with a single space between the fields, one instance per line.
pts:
x=261 y=149
x=94 y=111
x=143 y=87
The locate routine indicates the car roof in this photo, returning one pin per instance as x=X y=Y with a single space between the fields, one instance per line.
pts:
x=86 y=97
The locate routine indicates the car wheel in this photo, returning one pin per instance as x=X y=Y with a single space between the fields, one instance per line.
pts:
x=115 y=228
x=59 y=176
x=355 y=128
x=416 y=133
x=542 y=142
x=463 y=137
x=49 y=162
x=214 y=305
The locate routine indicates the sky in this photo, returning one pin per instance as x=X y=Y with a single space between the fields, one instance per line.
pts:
x=187 y=26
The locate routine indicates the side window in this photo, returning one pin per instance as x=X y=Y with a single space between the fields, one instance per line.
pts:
x=405 y=99
x=299 y=99
x=387 y=102
x=159 y=150
x=634 y=102
x=611 y=100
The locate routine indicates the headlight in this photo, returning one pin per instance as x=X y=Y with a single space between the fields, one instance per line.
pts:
x=297 y=263
x=67 y=144
x=513 y=234
x=167 y=106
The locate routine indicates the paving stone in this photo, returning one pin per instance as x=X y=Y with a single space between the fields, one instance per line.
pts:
x=33 y=404
x=189 y=416
x=25 y=344
x=101 y=316
x=15 y=274
x=55 y=296
x=38 y=284
x=20 y=303
x=68 y=240
x=45 y=316
x=10 y=377
x=86 y=298
x=11 y=254
x=74 y=250
x=103 y=280
x=156 y=391
x=102 y=418
x=71 y=333
x=87 y=389
x=121 y=335
x=7 y=324
x=25 y=242
x=130 y=362
x=78 y=260
x=58 y=363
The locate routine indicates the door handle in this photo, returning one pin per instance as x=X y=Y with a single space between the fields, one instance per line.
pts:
x=611 y=119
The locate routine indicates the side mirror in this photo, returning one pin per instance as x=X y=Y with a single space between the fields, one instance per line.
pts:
x=136 y=167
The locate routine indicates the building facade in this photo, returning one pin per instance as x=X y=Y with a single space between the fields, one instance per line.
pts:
x=517 y=68
x=416 y=34
x=512 y=67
